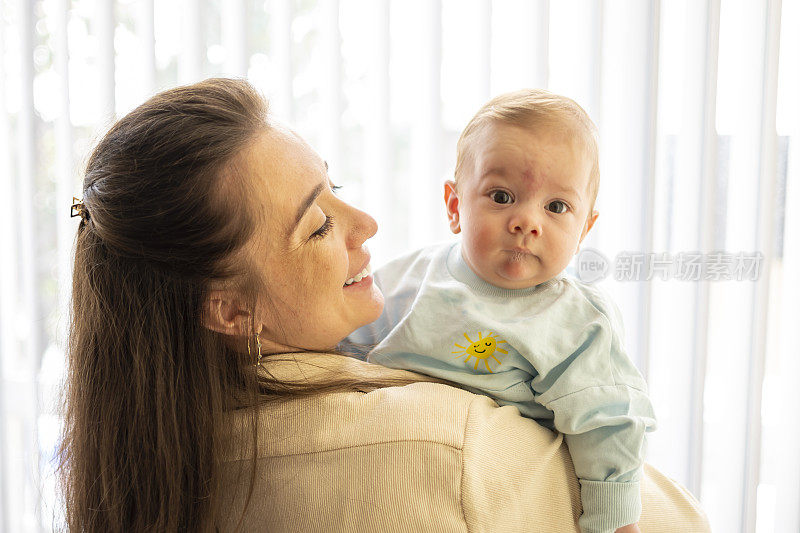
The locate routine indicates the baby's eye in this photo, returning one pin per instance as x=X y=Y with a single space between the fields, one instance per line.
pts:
x=501 y=197
x=557 y=206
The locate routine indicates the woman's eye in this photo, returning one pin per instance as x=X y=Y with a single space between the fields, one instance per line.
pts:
x=501 y=197
x=324 y=229
x=557 y=206
x=335 y=188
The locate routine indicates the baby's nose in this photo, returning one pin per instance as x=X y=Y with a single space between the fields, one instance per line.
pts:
x=526 y=224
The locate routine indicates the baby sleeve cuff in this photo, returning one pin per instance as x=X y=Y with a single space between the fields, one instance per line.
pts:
x=608 y=505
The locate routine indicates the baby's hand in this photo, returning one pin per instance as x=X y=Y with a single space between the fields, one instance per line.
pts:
x=630 y=528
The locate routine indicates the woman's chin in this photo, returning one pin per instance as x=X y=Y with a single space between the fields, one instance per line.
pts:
x=366 y=301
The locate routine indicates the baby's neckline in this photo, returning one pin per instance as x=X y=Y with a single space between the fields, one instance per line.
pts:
x=462 y=272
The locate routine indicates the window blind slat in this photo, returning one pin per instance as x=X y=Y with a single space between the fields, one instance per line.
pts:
x=626 y=148
x=26 y=361
x=65 y=189
x=649 y=175
x=145 y=30
x=484 y=60
x=708 y=175
x=234 y=36
x=332 y=88
x=424 y=225
x=281 y=16
x=377 y=157
x=8 y=286
x=740 y=96
x=765 y=240
x=541 y=43
x=105 y=49
x=190 y=61
x=787 y=463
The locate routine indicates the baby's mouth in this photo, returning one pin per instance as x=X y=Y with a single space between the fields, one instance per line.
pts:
x=520 y=255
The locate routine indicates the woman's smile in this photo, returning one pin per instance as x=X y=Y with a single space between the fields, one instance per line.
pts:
x=363 y=283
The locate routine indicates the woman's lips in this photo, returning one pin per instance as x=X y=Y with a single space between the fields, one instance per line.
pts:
x=365 y=283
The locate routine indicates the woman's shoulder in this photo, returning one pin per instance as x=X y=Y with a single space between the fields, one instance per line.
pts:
x=393 y=447
x=419 y=411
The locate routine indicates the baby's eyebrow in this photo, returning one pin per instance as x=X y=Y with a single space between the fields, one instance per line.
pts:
x=498 y=171
x=569 y=190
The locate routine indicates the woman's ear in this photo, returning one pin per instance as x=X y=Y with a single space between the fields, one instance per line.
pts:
x=224 y=314
x=451 y=203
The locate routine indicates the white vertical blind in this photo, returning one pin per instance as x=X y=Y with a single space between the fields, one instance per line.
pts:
x=706 y=70
x=377 y=153
x=631 y=30
x=106 y=24
x=281 y=16
x=331 y=146
x=650 y=87
x=700 y=152
x=520 y=29
x=25 y=362
x=740 y=93
x=8 y=294
x=192 y=53
x=779 y=491
x=425 y=222
x=234 y=36
x=483 y=63
x=678 y=351
x=64 y=162
x=145 y=30
x=765 y=242
x=539 y=41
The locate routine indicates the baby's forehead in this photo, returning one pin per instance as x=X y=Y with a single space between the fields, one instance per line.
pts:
x=531 y=159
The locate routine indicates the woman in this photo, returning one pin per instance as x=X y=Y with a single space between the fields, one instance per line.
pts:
x=209 y=289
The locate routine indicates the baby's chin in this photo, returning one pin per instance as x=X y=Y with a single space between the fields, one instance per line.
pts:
x=517 y=275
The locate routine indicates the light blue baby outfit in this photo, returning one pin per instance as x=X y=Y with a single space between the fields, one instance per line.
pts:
x=554 y=351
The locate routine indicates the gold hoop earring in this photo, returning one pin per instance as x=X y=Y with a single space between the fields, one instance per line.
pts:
x=258 y=349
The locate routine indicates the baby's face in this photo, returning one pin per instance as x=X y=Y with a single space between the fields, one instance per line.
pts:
x=522 y=206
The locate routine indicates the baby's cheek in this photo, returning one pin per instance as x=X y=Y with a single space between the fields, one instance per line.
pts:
x=563 y=250
x=480 y=238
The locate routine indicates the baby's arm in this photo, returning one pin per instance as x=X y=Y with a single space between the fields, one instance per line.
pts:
x=600 y=403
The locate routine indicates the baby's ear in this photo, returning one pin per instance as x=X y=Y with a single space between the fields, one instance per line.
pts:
x=451 y=203
x=589 y=223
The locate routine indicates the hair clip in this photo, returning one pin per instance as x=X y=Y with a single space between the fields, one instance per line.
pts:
x=78 y=209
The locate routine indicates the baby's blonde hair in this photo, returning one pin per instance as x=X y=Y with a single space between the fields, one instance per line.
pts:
x=535 y=110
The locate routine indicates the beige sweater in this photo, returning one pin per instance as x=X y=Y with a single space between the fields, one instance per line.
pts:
x=422 y=457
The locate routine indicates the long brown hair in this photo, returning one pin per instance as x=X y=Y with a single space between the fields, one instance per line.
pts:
x=148 y=385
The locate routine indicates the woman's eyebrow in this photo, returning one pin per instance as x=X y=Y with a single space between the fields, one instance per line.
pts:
x=307 y=202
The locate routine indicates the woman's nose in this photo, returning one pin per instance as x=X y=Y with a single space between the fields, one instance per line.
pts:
x=362 y=227
x=525 y=222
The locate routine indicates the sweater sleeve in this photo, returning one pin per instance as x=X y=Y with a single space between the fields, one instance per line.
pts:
x=600 y=403
x=517 y=475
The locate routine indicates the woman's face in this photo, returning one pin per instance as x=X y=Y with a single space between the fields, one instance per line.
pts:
x=312 y=244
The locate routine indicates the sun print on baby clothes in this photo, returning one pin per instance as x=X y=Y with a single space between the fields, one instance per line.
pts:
x=482 y=349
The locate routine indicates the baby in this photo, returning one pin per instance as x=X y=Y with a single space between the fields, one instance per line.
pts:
x=496 y=313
